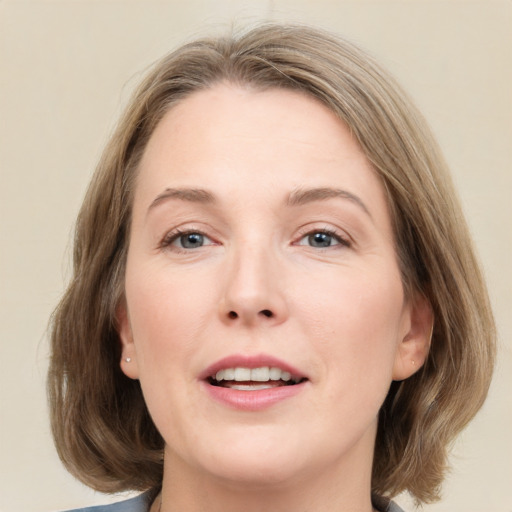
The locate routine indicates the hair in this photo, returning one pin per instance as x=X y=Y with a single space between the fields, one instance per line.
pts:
x=102 y=428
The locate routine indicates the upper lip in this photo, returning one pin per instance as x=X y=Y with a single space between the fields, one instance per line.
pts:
x=249 y=361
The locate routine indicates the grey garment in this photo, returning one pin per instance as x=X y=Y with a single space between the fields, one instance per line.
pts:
x=393 y=507
x=141 y=504
x=385 y=504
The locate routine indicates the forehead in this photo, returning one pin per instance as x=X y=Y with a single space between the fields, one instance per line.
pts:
x=236 y=138
x=238 y=112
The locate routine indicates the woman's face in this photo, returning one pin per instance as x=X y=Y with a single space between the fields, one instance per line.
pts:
x=264 y=315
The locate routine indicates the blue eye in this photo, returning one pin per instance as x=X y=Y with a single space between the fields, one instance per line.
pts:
x=322 y=239
x=189 y=240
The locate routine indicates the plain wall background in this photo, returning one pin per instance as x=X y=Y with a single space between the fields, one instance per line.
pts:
x=67 y=68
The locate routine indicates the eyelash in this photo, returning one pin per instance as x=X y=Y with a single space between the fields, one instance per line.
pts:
x=177 y=233
x=342 y=241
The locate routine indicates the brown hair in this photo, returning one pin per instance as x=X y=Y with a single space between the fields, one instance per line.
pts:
x=102 y=428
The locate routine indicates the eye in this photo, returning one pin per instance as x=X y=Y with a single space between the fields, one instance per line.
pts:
x=186 y=240
x=322 y=239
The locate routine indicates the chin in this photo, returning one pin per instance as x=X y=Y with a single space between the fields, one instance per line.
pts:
x=253 y=472
x=256 y=458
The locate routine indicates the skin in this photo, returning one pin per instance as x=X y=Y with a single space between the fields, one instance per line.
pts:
x=337 y=313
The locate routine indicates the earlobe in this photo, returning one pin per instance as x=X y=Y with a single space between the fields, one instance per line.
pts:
x=128 y=361
x=413 y=349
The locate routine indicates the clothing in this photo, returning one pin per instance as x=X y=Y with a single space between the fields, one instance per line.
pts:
x=141 y=504
x=385 y=505
x=393 y=507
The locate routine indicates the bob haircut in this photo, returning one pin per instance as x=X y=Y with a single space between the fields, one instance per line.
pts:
x=102 y=428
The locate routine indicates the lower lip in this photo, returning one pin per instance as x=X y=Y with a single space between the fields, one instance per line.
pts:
x=252 y=400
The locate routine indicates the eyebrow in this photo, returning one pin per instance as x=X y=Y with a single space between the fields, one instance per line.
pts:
x=296 y=198
x=192 y=195
x=304 y=196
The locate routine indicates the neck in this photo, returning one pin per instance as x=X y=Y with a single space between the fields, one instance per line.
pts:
x=342 y=487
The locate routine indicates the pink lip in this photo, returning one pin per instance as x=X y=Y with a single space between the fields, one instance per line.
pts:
x=250 y=400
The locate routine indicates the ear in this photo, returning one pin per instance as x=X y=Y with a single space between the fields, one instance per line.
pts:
x=413 y=349
x=128 y=353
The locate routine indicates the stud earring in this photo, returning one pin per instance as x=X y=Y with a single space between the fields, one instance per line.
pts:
x=128 y=359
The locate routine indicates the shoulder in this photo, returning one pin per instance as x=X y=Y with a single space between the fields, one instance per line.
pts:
x=138 y=504
x=385 y=505
x=141 y=504
x=393 y=507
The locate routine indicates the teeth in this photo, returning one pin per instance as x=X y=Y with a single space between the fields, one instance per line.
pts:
x=262 y=374
x=275 y=373
x=229 y=374
x=242 y=374
x=249 y=387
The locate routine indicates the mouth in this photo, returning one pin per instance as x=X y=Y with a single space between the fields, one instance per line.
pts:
x=254 y=379
x=251 y=383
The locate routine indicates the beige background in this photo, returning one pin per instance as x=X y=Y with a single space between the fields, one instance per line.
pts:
x=67 y=67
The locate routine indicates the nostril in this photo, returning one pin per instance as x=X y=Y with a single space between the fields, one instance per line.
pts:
x=233 y=315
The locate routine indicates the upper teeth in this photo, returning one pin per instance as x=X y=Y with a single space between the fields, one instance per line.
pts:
x=262 y=374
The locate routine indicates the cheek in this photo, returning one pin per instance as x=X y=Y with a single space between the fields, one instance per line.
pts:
x=357 y=323
x=167 y=313
x=165 y=320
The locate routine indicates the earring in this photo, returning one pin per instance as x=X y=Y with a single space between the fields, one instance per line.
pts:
x=128 y=359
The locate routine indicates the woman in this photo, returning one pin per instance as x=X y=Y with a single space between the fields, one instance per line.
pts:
x=275 y=302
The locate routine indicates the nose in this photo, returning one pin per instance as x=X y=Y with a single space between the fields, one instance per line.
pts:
x=253 y=289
